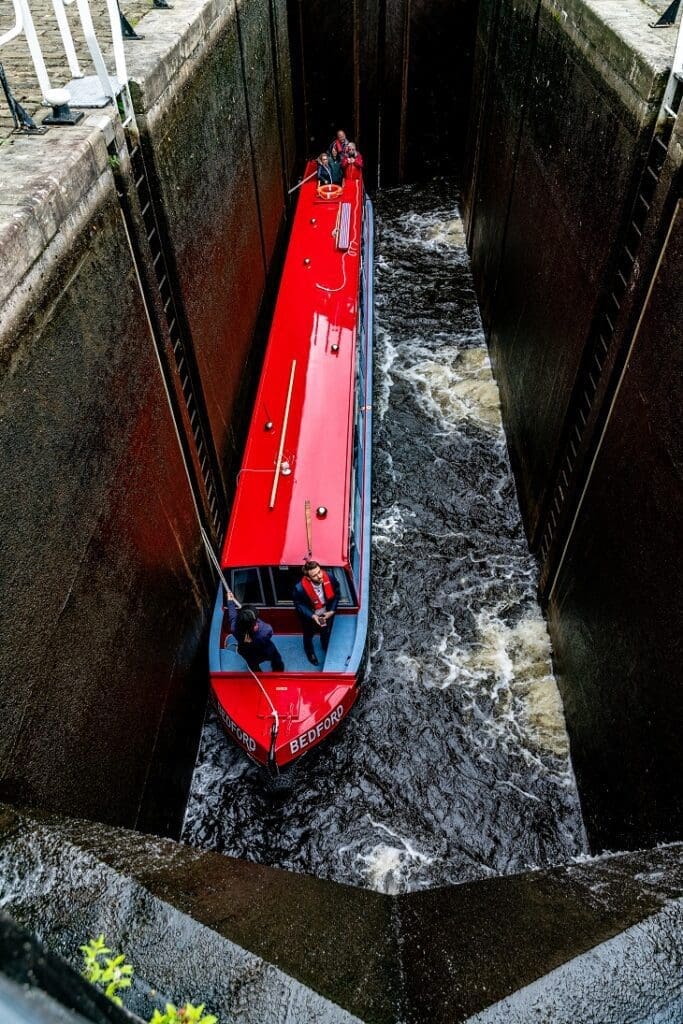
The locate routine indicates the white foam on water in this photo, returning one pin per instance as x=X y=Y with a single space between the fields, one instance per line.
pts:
x=432 y=231
x=410 y=666
x=452 y=385
x=390 y=868
x=448 y=233
x=390 y=528
x=511 y=666
x=385 y=355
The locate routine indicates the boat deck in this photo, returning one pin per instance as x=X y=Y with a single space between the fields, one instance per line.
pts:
x=290 y=646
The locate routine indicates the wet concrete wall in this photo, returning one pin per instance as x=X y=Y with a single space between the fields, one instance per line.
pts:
x=570 y=200
x=125 y=260
x=566 y=107
x=599 y=940
x=395 y=74
x=101 y=589
x=613 y=607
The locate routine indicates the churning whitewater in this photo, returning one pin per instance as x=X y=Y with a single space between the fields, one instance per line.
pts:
x=453 y=764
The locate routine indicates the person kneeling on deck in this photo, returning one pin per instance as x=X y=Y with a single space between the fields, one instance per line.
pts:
x=253 y=636
x=316 y=598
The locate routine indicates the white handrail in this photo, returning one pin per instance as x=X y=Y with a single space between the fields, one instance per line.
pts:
x=18 y=25
x=24 y=24
x=95 y=51
x=67 y=38
x=117 y=40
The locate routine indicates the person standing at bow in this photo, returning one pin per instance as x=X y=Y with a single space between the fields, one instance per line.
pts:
x=352 y=163
x=315 y=598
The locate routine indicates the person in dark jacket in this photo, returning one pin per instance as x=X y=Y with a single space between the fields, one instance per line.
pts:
x=329 y=171
x=315 y=598
x=254 y=637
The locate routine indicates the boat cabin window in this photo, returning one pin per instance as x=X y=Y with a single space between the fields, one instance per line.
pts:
x=272 y=586
x=284 y=578
x=346 y=596
x=246 y=586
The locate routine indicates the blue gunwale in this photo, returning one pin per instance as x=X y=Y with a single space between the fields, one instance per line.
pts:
x=221 y=659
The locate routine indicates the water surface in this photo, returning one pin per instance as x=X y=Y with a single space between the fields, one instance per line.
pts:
x=453 y=764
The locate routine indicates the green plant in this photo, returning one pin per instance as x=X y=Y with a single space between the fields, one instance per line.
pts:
x=113 y=974
x=109 y=973
x=187 y=1014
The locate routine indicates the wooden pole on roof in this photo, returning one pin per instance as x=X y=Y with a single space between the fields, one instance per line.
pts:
x=271 y=504
x=303 y=181
x=309 y=526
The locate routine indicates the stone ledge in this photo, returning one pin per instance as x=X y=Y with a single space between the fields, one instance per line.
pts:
x=43 y=182
x=437 y=955
x=615 y=36
x=45 y=179
x=31 y=260
x=643 y=965
x=172 y=39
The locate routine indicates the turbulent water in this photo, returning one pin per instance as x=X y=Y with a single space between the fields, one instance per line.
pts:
x=453 y=764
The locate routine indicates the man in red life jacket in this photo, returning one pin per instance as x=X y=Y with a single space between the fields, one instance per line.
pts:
x=352 y=163
x=316 y=598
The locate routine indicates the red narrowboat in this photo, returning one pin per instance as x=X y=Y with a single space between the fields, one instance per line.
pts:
x=303 y=490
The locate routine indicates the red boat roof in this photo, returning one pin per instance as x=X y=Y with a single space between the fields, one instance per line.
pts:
x=307 y=392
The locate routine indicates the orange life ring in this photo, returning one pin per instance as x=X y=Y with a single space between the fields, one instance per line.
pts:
x=330 y=191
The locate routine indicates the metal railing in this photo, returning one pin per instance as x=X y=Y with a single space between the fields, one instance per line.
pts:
x=668 y=108
x=112 y=87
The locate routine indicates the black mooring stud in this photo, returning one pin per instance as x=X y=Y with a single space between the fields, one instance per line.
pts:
x=23 y=122
x=127 y=30
x=61 y=111
x=162 y=5
x=668 y=17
